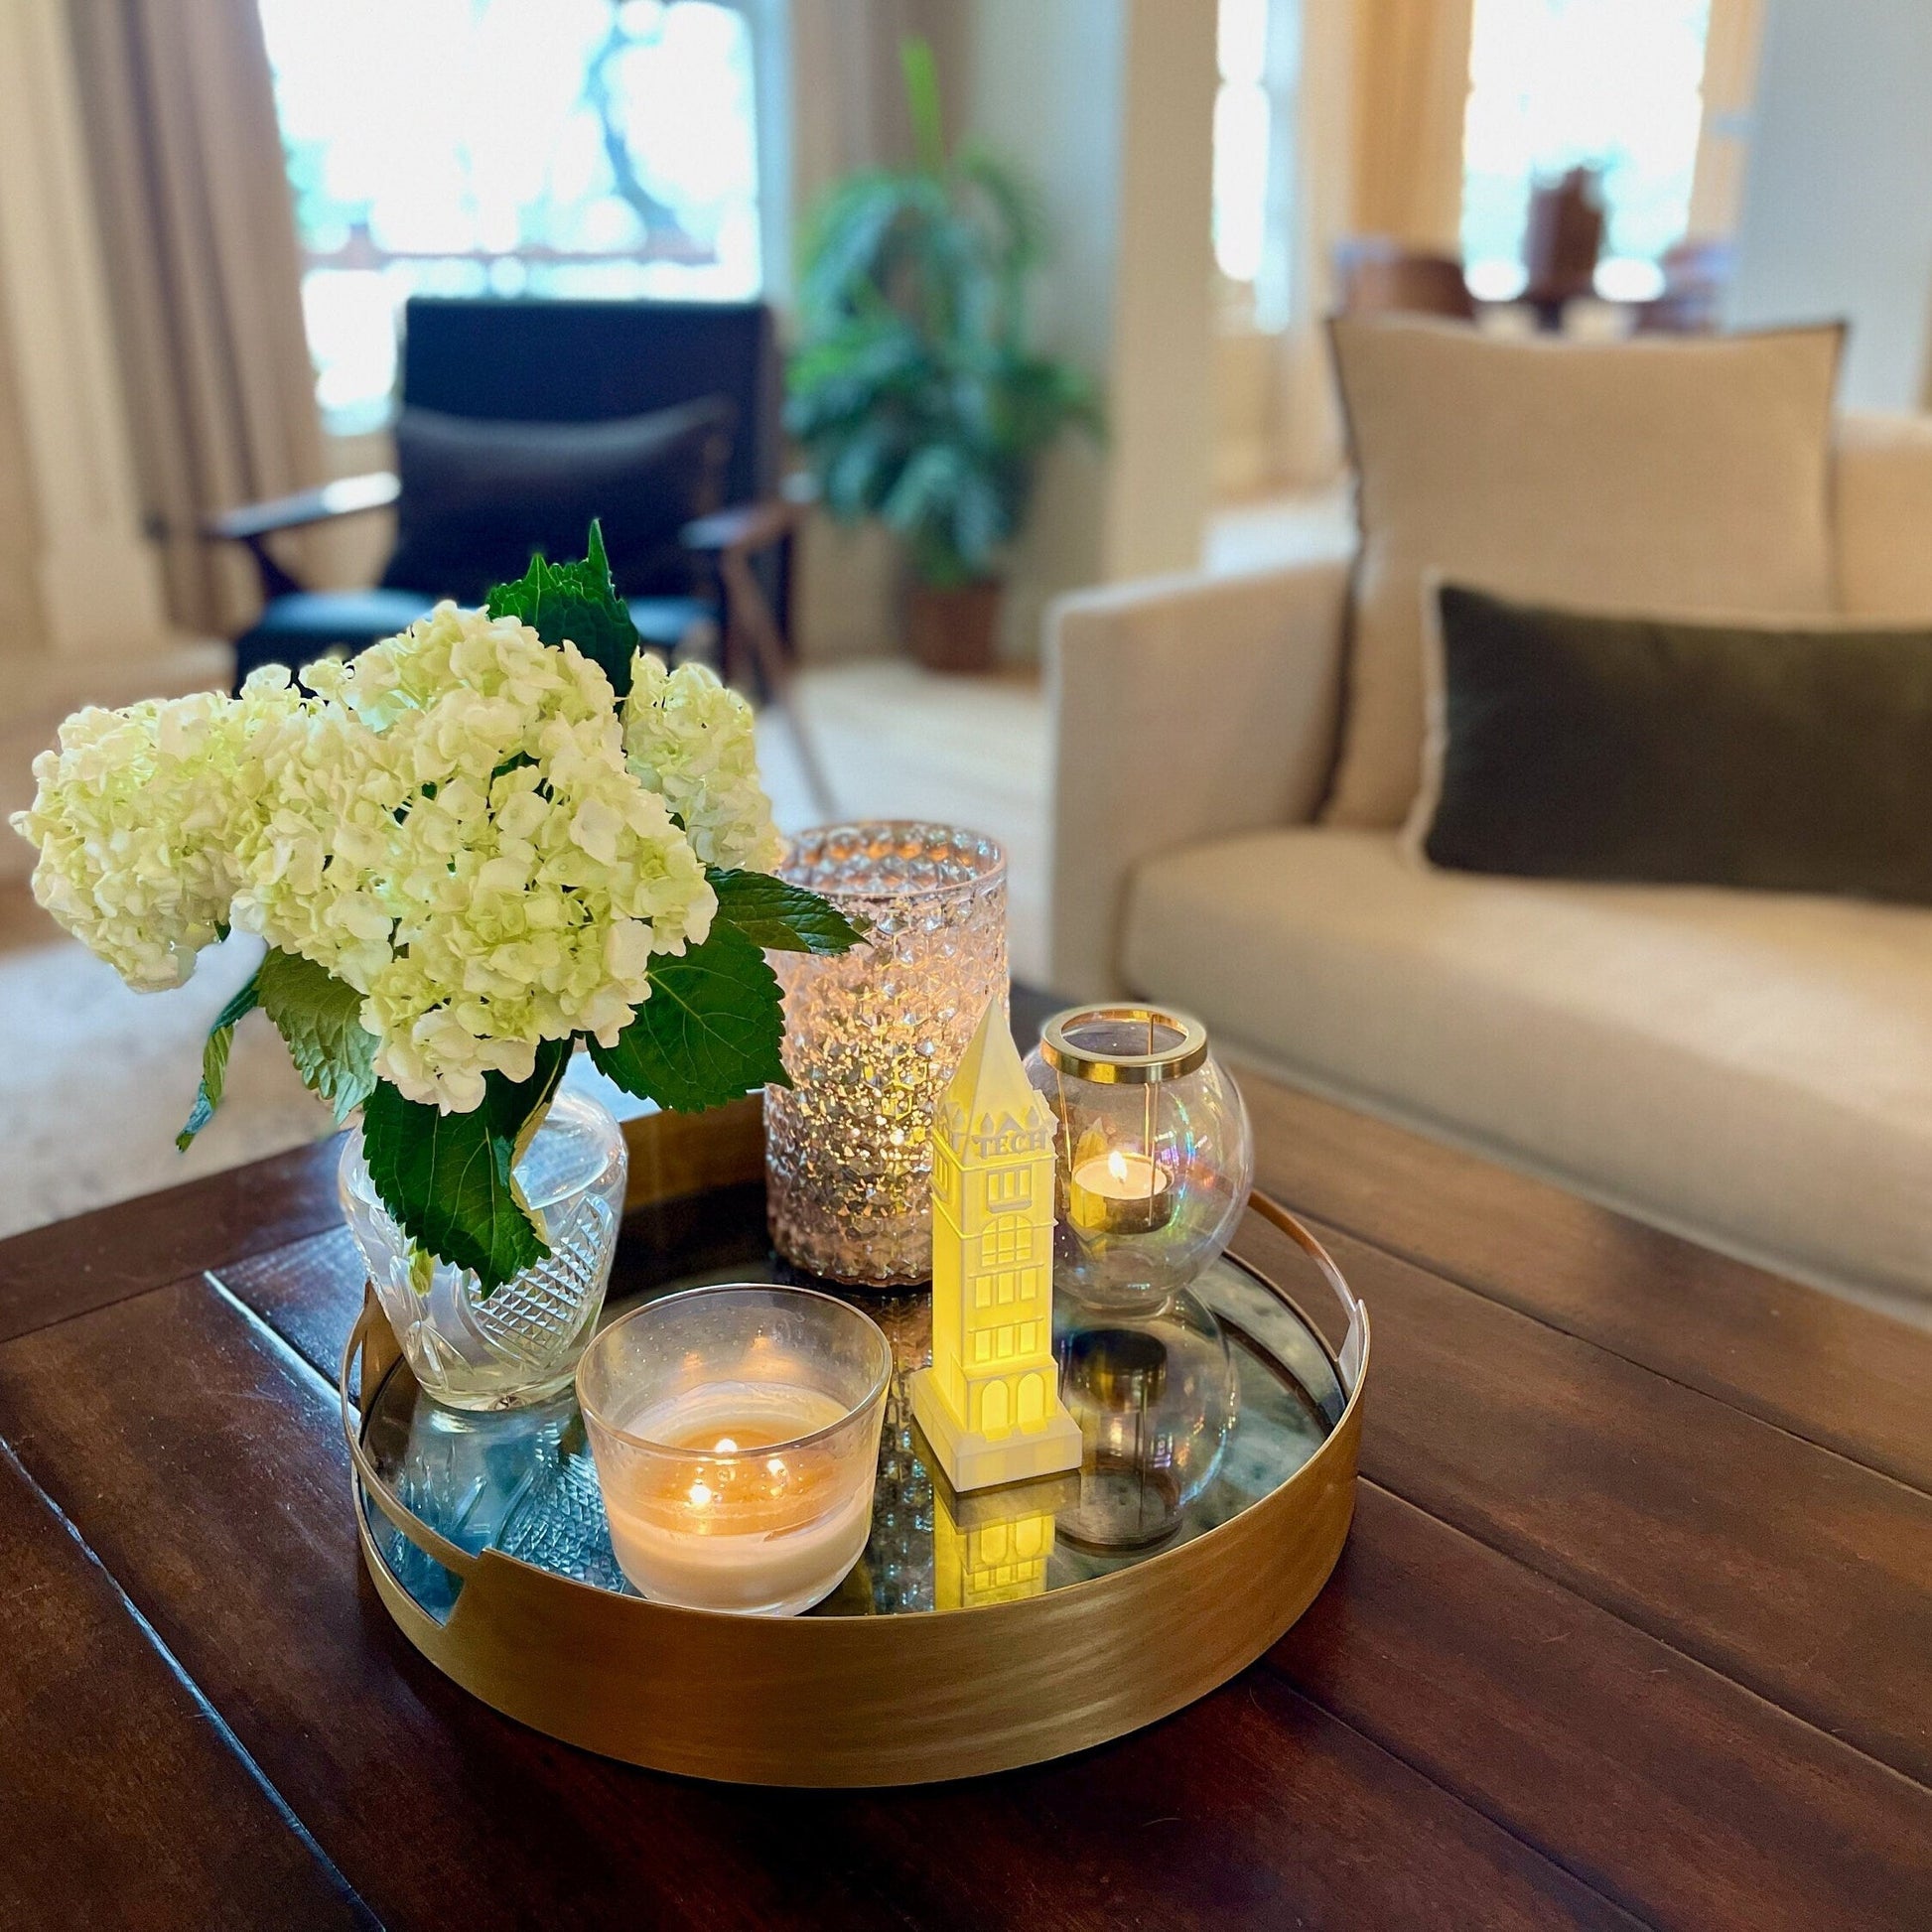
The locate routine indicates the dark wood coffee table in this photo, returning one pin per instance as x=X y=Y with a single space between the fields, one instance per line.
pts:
x=1634 y=1626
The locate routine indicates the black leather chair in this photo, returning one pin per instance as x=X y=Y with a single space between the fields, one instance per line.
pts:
x=695 y=516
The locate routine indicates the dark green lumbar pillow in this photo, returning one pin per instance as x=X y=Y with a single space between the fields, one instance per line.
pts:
x=1789 y=757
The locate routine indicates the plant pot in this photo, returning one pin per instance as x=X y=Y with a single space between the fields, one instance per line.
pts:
x=956 y=628
x=520 y=1342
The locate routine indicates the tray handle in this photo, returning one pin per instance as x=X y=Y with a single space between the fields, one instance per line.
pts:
x=437 y=1547
x=1355 y=1340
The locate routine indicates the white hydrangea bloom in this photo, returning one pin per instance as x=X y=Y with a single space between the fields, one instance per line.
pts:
x=690 y=738
x=311 y=862
x=137 y=817
x=449 y=825
x=528 y=874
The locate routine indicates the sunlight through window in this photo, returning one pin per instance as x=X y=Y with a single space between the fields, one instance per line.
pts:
x=1256 y=51
x=464 y=147
x=1613 y=85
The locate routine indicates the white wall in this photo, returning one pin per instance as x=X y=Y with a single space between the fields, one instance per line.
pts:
x=1106 y=108
x=1837 y=216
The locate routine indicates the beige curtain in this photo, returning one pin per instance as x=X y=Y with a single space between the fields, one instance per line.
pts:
x=1378 y=117
x=848 y=92
x=203 y=264
x=20 y=524
x=1411 y=85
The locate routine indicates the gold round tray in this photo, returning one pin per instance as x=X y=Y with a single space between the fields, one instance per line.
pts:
x=870 y=1697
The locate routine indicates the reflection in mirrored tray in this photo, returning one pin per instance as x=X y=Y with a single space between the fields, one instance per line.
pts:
x=1188 y=1416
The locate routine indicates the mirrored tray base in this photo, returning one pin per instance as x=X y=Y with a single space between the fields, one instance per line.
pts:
x=976 y=1632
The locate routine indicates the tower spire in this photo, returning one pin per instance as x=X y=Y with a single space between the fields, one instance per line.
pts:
x=990 y=1094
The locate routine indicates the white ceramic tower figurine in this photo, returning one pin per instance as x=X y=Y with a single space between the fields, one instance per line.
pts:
x=990 y=1404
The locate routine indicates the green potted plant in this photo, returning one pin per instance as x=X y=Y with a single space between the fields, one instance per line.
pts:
x=913 y=389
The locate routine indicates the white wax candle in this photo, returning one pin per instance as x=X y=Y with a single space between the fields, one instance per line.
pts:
x=1119 y=1193
x=724 y=1527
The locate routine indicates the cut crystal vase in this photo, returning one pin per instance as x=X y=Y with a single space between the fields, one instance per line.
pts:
x=520 y=1342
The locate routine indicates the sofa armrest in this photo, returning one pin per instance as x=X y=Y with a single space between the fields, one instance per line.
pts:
x=1882 y=504
x=1180 y=710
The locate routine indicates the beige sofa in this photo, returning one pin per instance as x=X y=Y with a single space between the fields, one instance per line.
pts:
x=1751 y=1070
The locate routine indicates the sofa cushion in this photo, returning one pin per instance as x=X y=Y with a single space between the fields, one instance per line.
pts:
x=1572 y=745
x=1688 y=476
x=1754 y=1070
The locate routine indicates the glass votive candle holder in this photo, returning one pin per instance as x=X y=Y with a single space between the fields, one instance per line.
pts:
x=1156 y=1395
x=872 y=1037
x=1154 y=1158
x=736 y=1435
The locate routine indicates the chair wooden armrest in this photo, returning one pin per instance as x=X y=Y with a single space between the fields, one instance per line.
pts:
x=347 y=496
x=253 y=523
x=742 y=527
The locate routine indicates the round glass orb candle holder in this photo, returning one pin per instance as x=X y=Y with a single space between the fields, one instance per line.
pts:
x=1156 y=1395
x=1153 y=1159
x=872 y=1037
x=736 y=1435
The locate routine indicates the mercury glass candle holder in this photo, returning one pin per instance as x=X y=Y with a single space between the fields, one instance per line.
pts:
x=1154 y=1158
x=736 y=1435
x=872 y=1037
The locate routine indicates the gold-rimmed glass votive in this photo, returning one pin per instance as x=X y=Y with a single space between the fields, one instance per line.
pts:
x=1153 y=1159
x=735 y=1435
x=872 y=1038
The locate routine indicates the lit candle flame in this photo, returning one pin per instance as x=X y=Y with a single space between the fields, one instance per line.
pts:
x=1117 y=1164
x=725 y=1446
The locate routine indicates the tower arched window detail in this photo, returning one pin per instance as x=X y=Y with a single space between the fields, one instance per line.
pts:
x=1006 y=1241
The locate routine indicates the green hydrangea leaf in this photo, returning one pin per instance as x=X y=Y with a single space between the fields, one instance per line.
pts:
x=321 y=1020
x=575 y=602
x=449 y=1179
x=709 y=1032
x=215 y=1060
x=782 y=918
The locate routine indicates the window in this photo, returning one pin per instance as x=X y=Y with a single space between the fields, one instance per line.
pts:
x=1009 y=1239
x=555 y=147
x=1255 y=49
x=1559 y=83
x=1008 y=1188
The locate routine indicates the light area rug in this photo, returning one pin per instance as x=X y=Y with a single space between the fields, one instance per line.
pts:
x=95 y=1080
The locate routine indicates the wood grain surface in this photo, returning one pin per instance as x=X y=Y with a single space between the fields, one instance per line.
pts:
x=100 y=1735
x=1806 y=1360
x=50 y=1273
x=1632 y=1627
